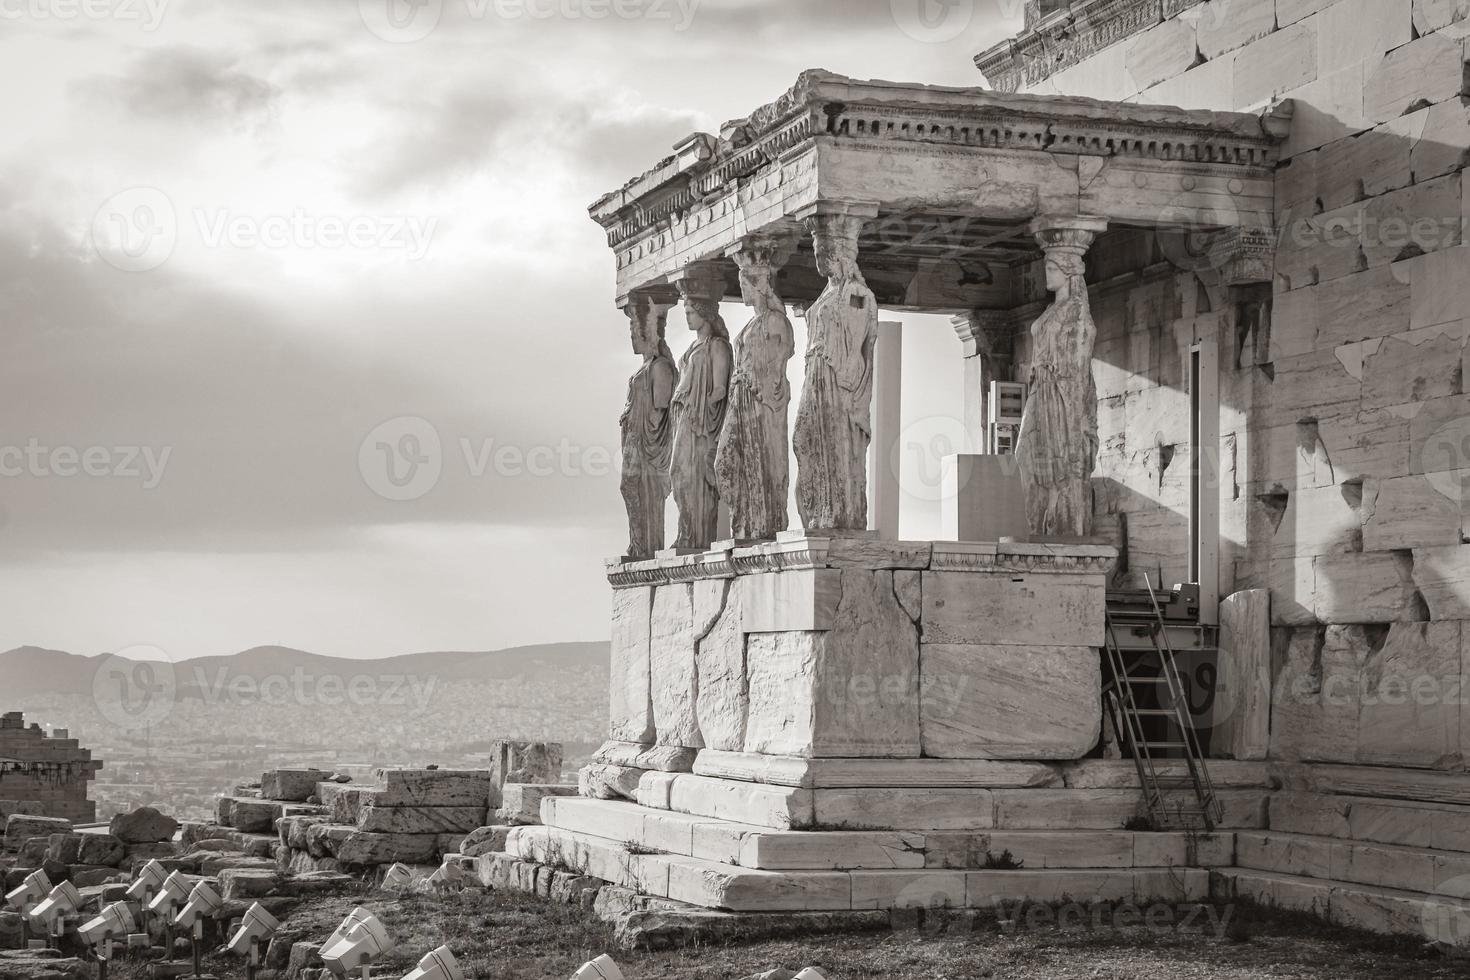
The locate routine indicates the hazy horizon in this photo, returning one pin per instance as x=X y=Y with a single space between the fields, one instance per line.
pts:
x=253 y=255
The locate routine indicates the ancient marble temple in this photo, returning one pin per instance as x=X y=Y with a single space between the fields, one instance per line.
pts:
x=782 y=665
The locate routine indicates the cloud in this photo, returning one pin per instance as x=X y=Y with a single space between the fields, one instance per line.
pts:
x=184 y=84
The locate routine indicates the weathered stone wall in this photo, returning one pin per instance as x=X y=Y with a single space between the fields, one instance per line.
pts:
x=1345 y=419
x=44 y=775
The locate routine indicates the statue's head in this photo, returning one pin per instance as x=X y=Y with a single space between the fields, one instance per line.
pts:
x=645 y=325
x=759 y=259
x=1064 y=268
x=835 y=244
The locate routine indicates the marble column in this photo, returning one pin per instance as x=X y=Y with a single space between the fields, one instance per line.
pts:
x=884 y=488
x=989 y=343
x=699 y=407
x=647 y=427
x=1057 y=446
x=834 y=420
x=753 y=461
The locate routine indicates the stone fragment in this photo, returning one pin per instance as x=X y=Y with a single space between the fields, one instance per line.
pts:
x=144 y=825
x=521 y=802
x=662 y=758
x=525 y=762
x=1009 y=702
x=255 y=816
x=21 y=827
x=63 y=848
x=1433 y=15
x=603 y=782
x=485 y=840
x=671 y=659
x=294 y=785
x=360 y=848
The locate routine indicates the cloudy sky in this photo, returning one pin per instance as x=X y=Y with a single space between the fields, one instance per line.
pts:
x=250 y=249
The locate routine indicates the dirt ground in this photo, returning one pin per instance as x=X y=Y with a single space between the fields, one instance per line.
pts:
x=500 y=936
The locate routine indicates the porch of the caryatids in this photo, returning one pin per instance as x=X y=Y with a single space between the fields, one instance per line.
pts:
x=753 y=461
x=834 y=419
x=1057 y=446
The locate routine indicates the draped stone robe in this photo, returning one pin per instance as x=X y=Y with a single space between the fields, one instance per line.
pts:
x=1057 y=446
x=752 y=463
x=699 y=414
x=834 y=421
x=648 y=437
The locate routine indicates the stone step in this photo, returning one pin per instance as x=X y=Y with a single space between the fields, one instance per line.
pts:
x=762 y=848
x=710 y=884
x=1413 y=823
x=1440 y=917
x=924 y=809
x=1418 y=869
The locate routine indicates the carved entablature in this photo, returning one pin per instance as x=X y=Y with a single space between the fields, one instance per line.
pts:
x=973 y=153
x=1065 y=37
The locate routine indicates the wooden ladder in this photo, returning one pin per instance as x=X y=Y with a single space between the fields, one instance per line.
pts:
x=1129 y=680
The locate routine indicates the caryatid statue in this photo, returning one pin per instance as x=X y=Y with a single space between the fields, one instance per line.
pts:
x=699 y=409
x=1057 y=446
x=753 y=462
x=834 y=420
x=648 y=430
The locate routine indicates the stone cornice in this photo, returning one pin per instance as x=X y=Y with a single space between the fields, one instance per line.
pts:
x=1068 y=37
x=898 y=117
x=794 y=551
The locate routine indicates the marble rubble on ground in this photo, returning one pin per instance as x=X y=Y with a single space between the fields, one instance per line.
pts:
x=412 y=816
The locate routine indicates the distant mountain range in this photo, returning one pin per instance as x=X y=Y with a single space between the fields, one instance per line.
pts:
x=32 y=670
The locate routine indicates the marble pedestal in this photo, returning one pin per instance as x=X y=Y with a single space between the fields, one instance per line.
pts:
x=851 y=648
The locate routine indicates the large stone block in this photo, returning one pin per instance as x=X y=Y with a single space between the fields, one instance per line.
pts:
x=905 y=809
x=1225 y=26
x=1350 y=32
x=293 y=785
x=1009 y=702
x=778 y=807
x=1241 y=720
x=1410 y=512
x=1276 y=64
x=360 y=848
x=724 y=694
x=421 y=819
x=1161 y=52
x=847 y=692
x=800 y=599
x=671 y=660
x=434 y=787
x=630 y=691
x=1369 y=695
x=1376 y=587
x=1433 y=15
x=521 y=802
x=1409 y=369
x=1020 y=609
x=20 y=827
x=1429 y=69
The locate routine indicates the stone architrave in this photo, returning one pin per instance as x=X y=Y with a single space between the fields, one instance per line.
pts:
x=1057 y=446
x=834 y=420
x=699 y=408
x=648 y=431
x=752 y=463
